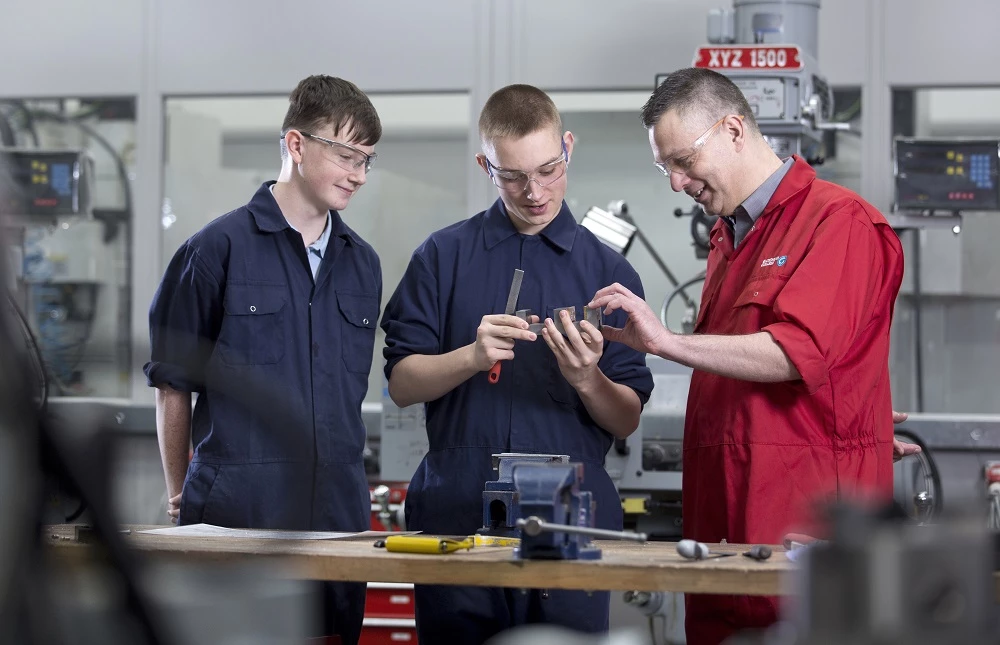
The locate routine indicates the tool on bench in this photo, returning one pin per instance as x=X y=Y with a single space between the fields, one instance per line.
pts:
x=758 y=552
x=534 y=526
x=693 y=550
x=438 y=545
x=515 y=290
x=424 y=544
x=495 y=540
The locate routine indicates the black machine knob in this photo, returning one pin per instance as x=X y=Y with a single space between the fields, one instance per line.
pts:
x=652 y=456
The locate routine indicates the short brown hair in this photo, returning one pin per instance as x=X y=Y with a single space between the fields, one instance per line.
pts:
x=516 y=111
x=321 y=100
x=695 y=88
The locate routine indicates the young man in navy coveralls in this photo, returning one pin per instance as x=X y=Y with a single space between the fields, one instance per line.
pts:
x=556 y=395
x=269 y=313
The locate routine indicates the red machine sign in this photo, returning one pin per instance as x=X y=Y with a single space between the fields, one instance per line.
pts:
x=748 y=57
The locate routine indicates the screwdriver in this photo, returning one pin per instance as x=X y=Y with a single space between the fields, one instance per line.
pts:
x=427 y=545
x=693 y=550
x=439 y=545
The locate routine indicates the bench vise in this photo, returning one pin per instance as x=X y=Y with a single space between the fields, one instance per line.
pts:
x=556 y=516
x=501 y=508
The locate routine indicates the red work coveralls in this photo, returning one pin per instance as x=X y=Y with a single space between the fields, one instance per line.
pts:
x=819 y=271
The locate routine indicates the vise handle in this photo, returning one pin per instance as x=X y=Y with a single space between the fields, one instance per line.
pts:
x=533 y=526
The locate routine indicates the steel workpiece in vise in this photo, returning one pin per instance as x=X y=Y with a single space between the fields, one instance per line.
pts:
x=550 y=494
x=501 y=508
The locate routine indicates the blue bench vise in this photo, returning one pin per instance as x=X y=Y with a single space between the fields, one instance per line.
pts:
x=501 y=508
x=556 y=516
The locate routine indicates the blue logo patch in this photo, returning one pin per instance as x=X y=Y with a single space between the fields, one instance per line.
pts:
x=782 y=260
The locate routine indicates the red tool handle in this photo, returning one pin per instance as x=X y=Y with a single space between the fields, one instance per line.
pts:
x=494 y=374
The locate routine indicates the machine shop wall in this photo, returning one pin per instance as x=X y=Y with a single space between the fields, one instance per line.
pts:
x=59 y=48
x=927 y=43
x=232 y=47
x=238 y=47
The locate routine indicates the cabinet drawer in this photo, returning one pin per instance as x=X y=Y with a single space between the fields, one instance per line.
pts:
x=389 y=600
x=388 y=631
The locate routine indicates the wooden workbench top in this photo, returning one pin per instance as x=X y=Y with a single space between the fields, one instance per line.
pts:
x=654 y=566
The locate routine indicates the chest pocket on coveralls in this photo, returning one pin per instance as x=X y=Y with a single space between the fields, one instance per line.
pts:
x=253 y=330
x=761 y=292
x=357 y=339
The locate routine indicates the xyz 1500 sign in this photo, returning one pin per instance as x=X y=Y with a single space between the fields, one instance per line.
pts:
x=748 y=57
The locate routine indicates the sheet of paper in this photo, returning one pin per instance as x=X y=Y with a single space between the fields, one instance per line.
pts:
x=209 y=530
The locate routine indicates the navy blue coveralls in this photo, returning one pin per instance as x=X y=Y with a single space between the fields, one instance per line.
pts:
x=457 y=276
x=280 y=362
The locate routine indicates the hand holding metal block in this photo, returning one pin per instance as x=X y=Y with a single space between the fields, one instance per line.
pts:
x=594 y=316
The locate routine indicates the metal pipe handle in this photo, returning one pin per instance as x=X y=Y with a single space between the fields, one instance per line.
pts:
x=534 y=526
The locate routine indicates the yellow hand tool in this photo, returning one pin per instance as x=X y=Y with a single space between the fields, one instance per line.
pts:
x=496 y=540
x=422 y=544
x=439 y=545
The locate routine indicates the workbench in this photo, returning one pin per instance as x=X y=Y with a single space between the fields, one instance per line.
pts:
x=653 y=566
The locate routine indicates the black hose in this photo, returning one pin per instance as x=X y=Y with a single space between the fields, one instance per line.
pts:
x=673 y=294
x=29 y=121
x=7 y=138
x=625 y=215
x=19 y=484
x=38 y=361
x=918 y=332
x=930 y=468
x=77 y=512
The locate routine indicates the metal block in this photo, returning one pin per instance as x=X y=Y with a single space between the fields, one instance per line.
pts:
x=594 y=316
x=557 y=317
x=504 y=462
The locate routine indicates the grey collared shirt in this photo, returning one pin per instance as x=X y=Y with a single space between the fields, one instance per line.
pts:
x=743 y=218
x=317 y=249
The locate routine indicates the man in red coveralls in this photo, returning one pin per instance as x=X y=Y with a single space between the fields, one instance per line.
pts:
x=789 y=402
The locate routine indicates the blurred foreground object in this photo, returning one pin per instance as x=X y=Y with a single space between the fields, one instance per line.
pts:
x=114 y=595
x=553 y=635
x=885 y=579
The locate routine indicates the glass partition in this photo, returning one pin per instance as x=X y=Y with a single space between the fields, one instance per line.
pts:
x=946 y=338
x=67 y=225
